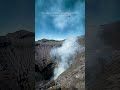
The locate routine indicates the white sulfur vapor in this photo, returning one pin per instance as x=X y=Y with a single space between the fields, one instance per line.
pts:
x=65 y=55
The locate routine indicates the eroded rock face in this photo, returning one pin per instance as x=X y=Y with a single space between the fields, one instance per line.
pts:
x=17 y=61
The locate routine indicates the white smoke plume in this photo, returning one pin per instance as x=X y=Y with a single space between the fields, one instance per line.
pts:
x=65 y=55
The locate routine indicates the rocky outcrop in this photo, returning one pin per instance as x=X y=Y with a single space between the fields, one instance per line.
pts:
x=17 y=61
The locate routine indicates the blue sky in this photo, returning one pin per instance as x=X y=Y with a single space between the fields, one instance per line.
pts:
x=59 y=19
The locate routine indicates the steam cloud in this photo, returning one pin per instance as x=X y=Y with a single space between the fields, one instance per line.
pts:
x=65 y=55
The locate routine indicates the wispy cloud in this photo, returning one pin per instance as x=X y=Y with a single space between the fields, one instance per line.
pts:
x=59 y=18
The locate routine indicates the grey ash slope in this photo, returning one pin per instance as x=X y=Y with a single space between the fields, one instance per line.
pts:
x=17 y=61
